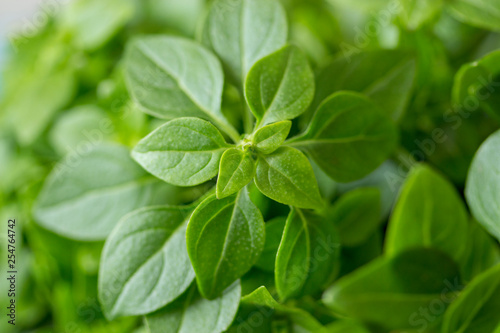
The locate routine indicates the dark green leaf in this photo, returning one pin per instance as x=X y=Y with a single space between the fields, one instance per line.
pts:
x=237 y=169
x=224 y=240
x=269 y=138
x=274 y=233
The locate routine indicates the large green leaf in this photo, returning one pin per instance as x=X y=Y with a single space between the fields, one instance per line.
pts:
x=480 y=13
x=477 y=308
x=390 y=291
x=183 y=152
x=348 y=137
x=280 y=86
x=170 y=77
x=85 y=196
x=385 y=76
x=193 y=313
x=483 y=185
x=418 y=219
x=224 y=240
x=237 y=169
x=145 y=264
x=243 y=31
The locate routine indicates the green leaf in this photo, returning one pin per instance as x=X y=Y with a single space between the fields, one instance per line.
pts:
x=192 y=313
x=85 y=196
x=348 y=137
x=483 y=183
x=182 y=152
x=475 y=83
x=224 y=240
x=237 y=169
x=280 y=86
x=418 y=219
x=386 y=76
x=274 y=233
x=145 y=264
x=244 y=31
x=269 y=138
x=345 y=326
x=171 y=77
x=357 y=215
x=262 y=298
x=480 y=13
x=306 y=256
x=477 y=308
x=93 y=22
x=415 y=13
x=286 y=176
x=389 y=291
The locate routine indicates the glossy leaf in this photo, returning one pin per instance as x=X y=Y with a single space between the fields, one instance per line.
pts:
x=280 y=86
x=145 y=264
x=269 y=138
x=183 y=152
x=192 y=313
x=84 y=197
x=476 y=310
x=274 y=233
x=171 y=77
x=286 y=176
x=418 y=221
x=385 y=76
x=243 y=31
x=348 y=137
x=480 y=13
x=483 y=184
x=357 y=215
x=236 y=170
x=390 y=291
x=224 y=240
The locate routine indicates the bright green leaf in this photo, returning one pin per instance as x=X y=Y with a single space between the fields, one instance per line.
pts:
x=236 y=170
x=480 y=13
x=269 y=138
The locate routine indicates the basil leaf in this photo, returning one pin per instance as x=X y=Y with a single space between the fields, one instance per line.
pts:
x=170 y=77
x=286 y=176
x=182 y=152
x=84 y=198
x=415 y=13
x=357 y=215
x=237 y=169
x=348 y=137
x=389 y=83
x=144 y=263
x=418 y=221
x=93 y=22
x=274 y=232
x=389 y=291
x=345 y=326
x=262 y=298
x=280 y=86
x=483 y=182
x=224 y=240
x=476 y=310
x=192 y=313
x=243 y=31
x=480 y=13
x=269 y=138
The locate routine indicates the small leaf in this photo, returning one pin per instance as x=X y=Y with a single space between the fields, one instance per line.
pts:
x=389 y=291
x=274 y=233
x=145 y=264
x=348 y=137
x=280 y=86
x=192 y=313
x=286 y=176
x=261 y=297
x=417 y=219
x=357 y=215
x=171 y=77
x=476 y=310
x=237 y=169
x=243 y=31
x=84 y=198
x=269 y=138
x=224 y=240
x=483 y=184
x=182 y=152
